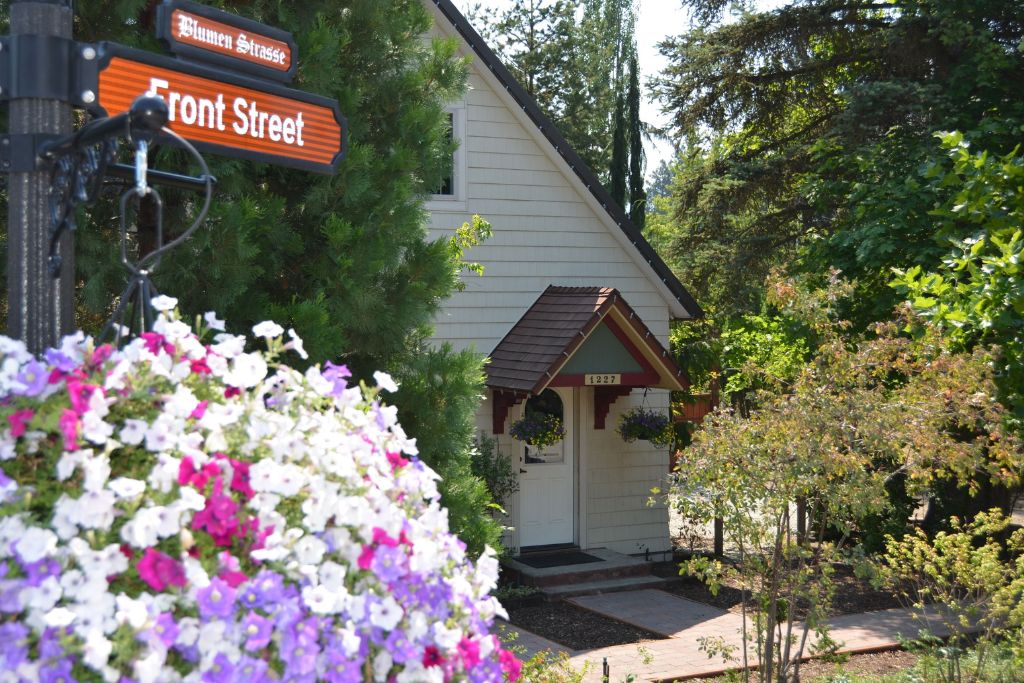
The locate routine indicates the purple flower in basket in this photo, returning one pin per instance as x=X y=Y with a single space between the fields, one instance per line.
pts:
x=538 y=429
x=646 y=425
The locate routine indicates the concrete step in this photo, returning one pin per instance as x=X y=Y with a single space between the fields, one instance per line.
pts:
x=603 y=586
x=584 y=575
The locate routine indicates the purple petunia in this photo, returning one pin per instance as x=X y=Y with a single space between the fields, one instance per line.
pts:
x=216 y=600
x=257 y=631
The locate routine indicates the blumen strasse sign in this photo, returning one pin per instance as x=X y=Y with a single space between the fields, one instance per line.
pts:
x=203 y=33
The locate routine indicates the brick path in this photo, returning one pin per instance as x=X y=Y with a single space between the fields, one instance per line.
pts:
x=684 y=622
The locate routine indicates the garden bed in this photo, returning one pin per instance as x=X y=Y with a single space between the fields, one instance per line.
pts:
x=576 y=628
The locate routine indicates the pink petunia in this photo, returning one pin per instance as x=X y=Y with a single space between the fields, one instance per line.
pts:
x=19 y=421
x=200 y=410
x=159 y=570
x=69 y=427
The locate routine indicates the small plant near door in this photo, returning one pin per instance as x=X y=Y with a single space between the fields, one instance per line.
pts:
x=496 y=471
x=646 y=425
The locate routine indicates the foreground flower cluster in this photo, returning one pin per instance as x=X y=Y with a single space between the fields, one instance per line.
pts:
x=180 y=510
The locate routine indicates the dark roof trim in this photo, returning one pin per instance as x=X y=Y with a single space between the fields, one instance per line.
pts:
x=585 y=174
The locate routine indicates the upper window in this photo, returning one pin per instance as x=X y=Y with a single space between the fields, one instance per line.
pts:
x=452 y=188
x=447 y=186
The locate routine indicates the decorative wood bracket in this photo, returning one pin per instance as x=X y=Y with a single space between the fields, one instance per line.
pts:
x=501 y=403
x=604 y=397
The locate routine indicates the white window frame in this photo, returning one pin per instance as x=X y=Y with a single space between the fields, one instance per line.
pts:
x=457 y=200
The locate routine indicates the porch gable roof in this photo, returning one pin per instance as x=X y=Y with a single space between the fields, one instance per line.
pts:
x=529 y=358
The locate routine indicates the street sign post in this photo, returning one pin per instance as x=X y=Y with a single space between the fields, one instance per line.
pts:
x=224 y=94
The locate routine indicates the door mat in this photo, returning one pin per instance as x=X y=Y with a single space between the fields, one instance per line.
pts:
x=547 y=560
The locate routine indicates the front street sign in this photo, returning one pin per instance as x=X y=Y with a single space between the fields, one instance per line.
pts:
x=227 y=114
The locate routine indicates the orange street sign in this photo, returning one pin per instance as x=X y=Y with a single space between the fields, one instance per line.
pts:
x=203 y=33
x=229 y=115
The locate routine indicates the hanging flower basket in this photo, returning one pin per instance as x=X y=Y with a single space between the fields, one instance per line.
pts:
x=538 y=430
x=645 y=425
x=181 y=510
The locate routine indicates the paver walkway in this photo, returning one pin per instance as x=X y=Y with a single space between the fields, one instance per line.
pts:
x=685 y=622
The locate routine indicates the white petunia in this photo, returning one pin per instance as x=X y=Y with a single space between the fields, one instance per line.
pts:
x=386 y=614
x=95 y=430
x=59 y=617
x=43 y=597
x=134 y=431
x=125 y=487
x=321 y=600
x=96 y=652
x=131 y=611
x=246 y=371
x=150 y=669
x=213 y=322
x=268 y=329
x=385 y=381
x=95 y=472
x=35 y=544
x=447 y=639
x=228 y=345
x=68 y=462
x=164 y=303
x=181 y=403
x=296 y=344
x=310 y=550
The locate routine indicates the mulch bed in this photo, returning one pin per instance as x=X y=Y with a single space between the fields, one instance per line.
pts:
x=575 y=627
x=852 y=596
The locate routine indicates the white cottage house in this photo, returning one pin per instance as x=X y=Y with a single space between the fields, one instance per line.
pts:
x=573 y=311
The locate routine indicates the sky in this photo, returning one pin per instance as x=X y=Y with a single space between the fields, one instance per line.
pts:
x=656 y=20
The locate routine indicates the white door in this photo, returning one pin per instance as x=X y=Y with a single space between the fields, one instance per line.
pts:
x=546 y=487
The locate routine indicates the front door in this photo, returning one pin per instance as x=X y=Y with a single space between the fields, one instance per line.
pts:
x=547 y=484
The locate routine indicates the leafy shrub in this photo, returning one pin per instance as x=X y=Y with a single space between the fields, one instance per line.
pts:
x=495 y=469
x=975 y=574
x=184 y=511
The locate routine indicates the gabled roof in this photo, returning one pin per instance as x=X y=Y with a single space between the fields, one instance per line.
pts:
x=531 y=355
x=489 y=59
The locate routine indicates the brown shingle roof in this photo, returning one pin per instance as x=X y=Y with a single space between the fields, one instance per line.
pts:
x=537 y=346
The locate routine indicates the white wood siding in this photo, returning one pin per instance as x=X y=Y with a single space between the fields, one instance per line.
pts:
x=549 y=230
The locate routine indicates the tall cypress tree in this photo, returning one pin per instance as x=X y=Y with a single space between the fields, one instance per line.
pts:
x=637 y=195
x=620 y=156
x=343 y=259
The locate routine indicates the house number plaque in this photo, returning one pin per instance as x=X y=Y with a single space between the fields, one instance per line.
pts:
x=600 y=380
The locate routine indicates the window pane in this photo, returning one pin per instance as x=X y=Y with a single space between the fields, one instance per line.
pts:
x=447 y=186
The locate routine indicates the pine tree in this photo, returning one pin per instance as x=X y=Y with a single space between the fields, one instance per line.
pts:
x=804 y=129
x=343 y=259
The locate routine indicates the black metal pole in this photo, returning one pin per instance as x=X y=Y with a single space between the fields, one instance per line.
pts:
x=40 y=309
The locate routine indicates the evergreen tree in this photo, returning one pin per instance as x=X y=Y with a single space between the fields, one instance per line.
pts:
x=805 y=128
x=637 y=195
x=620 y=161
x=343 y=259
